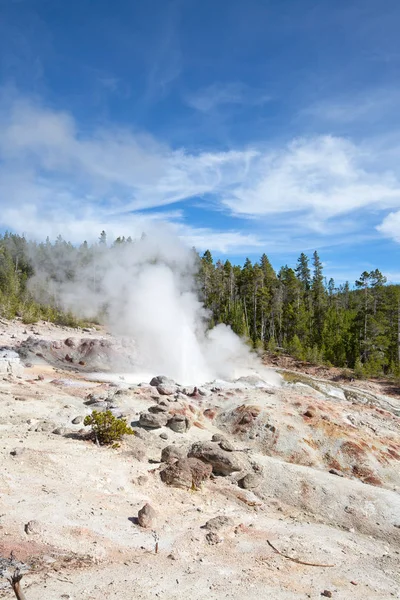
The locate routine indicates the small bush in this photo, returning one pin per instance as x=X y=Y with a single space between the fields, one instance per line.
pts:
x=358 y=369
x=106 y=428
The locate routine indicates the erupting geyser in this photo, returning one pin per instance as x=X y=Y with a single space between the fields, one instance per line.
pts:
x=147 y=289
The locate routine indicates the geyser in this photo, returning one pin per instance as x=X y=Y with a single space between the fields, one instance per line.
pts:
x=148 y=292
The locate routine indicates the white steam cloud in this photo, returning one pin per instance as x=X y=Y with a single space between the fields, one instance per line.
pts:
x=148 y=289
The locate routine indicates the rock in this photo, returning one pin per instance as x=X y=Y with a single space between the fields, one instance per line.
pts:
x=44 y=426
x=203 y=391
x=186 y=473
x=77 y=420
x=213 y=538
x=163 y=435
x=178 y=474
x=249 y=481
x=18 y=451
x=153 y=421
x=94 y=397
x=200 y=471
x=33 y=528
x=158 y=408
x=335 y=472
x=172 y=453
x=310 y=412
x=59 y=431
x=187 y=391
x=219 y=523
x=161 y=380
x=222 y=462
x=166 y=389
x=70 y=342
x=179 y=424
x=222 y=442
x=326 y=593
x=147 y=516
x=218 y=437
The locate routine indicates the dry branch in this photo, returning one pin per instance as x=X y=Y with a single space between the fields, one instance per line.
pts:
x=296 y=560
x=15 y=581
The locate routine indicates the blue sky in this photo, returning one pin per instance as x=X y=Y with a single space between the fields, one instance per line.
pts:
x=249 y=126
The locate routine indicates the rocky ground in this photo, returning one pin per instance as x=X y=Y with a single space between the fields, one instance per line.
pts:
x=248 y=490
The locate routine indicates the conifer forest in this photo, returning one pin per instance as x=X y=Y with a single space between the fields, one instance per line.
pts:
x=295 y=310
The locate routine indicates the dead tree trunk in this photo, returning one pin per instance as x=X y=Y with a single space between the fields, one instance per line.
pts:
x=15 y=581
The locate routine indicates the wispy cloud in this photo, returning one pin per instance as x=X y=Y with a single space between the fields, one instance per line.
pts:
x=166 y=56
x=55 y=175
x=369 y=105
x=218 y=94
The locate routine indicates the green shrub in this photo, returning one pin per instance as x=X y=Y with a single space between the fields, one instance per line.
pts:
x=106 y=428
x=358 y=369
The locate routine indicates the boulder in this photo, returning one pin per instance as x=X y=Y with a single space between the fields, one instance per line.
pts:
x=222 y=462
x=153 y=420
x=223 y=443
x=166 y=389
x=219 y=523
x=179 y=424
x=158 y=408
x=147 y=516
x=161 y=380
x=186 y=473
x=250 y=481
x=173 y=453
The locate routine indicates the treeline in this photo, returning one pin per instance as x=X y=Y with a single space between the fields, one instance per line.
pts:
x=299 y=312
x=16 y=269
x=295 y=310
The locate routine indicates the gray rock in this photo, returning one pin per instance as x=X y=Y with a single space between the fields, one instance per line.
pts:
x=44 y=426
x=173 y=453
x=33 y=528
x=204 y=391
x=166 y=389
x=179 y=424
x=94 y=397
x=250 y=481
x=77 y=420
x=158 y=408
x=163 y=435
x=147 y=516
x=222 y=462
x=153 y=421
x=213 y=538
x=223 y=443
x=161 y=380
x=219 y=523
x=187 y=391
x=18 y=451
x=60 y=431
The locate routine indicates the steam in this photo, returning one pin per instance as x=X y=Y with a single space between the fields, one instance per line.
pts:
x=148 y=291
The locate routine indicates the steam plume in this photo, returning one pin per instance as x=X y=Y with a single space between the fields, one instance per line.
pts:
x=148 y=289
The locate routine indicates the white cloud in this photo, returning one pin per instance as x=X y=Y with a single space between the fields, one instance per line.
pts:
x=324 y=177
x=390 y=226
x=368 y=106
x=218 y=94
x=56 y=177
